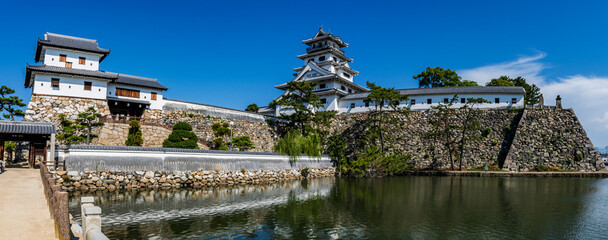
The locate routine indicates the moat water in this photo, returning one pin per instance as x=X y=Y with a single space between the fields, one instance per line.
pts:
x=379 y=208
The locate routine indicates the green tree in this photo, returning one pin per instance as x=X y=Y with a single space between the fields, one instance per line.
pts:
x=252 y=108
x=386 y=103
x=134 y=138
x=181 y=137
x=89 y=120
x=439 y=77
x=8 y=103
x=243 y=143
x=69 y=131
x=469 y=124
x=444 y=127
x=300 y=98
x=532 y=91
x=9 y=147
x=294 y=145
x=220 y=130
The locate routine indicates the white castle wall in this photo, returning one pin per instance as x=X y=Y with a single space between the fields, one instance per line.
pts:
x=51 y=58
x=69 y=87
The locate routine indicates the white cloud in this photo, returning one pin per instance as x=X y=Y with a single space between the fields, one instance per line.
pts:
x=587 y=95
x=528 y=67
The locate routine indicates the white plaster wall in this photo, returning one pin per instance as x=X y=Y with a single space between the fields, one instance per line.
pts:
x=144 y=94
x=421 y=102
x=171 y=105
x=68 y=86
x=51 y=58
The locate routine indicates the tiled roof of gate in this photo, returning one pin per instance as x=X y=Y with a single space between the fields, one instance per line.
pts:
x=62 y=70
x=76 y=43
x=447 y=90
x=15 y=127
x=140 y=81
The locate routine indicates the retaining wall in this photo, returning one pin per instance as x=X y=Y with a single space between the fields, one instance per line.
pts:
x=112 y=158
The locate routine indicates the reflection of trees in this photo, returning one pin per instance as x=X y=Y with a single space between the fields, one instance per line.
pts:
x=385 y=208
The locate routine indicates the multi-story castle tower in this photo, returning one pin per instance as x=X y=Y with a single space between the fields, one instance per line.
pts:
x=326 y=64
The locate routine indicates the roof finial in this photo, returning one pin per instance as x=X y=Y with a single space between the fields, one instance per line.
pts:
x=320 y=27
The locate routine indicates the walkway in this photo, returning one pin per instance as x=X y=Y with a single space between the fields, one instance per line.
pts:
x=23 y=210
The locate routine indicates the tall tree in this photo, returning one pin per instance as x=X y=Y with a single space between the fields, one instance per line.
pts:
x=532 y=91
x=89 y=120
x=469 y=124
x=69 y=131
x=444 y=127
x=384 y=100
x=300 y=98
x=252 y=108
x=440 y=77
x=134 y=138
x=8 y=103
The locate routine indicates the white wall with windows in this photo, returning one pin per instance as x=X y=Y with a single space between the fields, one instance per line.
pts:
x=145 y=94
x=59 y=58
x=46 y=84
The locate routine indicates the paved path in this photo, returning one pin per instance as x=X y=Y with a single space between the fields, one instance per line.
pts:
x=23 y=210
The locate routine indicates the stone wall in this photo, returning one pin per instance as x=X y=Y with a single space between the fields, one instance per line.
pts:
x=554 y=138
x=42 y=108
x=411 y=133
x=115 y=134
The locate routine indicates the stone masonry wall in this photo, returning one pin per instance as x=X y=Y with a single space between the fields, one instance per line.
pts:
x=553 y=138
x=42 y=108
x=496 y=127
x=115 y=134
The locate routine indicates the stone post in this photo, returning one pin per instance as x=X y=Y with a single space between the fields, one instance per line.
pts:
x=52 y=152
x=85 y=202
x=541 y=101
x=558 y=102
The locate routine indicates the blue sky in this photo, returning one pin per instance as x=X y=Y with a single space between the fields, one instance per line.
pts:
x=232 y=53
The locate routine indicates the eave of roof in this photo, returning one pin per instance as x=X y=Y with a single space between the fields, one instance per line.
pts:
x=352 y=85
x=139 y=81
x=66 y=71
x=14 y=127
x=448 y=90
x=336 y=39
x=329 y=50
x=72 y=43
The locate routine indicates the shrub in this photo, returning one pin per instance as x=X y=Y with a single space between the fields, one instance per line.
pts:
x=243 y=143
x=578 y=157
x=305 y=172
x=294 y=144
x=219 y=144
x=243 y=171
x=181 y=137
x=135 y=136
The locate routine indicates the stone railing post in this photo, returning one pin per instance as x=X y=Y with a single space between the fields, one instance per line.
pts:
x=91 y=220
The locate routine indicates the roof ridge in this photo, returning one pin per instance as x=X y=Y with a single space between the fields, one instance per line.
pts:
x=67 y=36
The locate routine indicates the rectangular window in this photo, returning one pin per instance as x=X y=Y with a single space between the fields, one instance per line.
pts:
x=81 y=60
x=153 y=95
x=445 y=100
x=496 y=100
x=55 y=82
x=62 y=57
x=352 y=105
x=513 y=100
x=343 y=88
x=323 y=100
x=350 y=90
x=413 y=102
x=367 y=104
x=87 y=86
x=68 y=65
x=463 y=100
x=322 y=85
x=429 y=101
x=127 y=93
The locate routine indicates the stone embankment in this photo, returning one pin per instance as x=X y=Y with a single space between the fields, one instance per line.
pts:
x=112 y=180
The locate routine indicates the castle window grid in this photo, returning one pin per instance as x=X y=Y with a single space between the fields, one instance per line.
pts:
x=62 y=57
x=152 y=96
x=123 y=92
x=496 y=100
x=82 y=60
x=55 y=83
x=87 y=86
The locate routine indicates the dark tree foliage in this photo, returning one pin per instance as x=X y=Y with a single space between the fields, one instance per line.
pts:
x=469 y=125
x=135 y=136
x=252 y=108
x=532 y=91
x=8 y=104
x=386 y=104
x=439 y=77
x=220 y=130
x=69 y=131
x=87 y=121
x=300 y=97
x=181 y=137
x=243 y=143
x=444 y=127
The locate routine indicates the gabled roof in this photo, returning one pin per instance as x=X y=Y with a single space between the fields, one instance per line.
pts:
x=139 y=81
x=69 y=42
x=331 y=77
x=323 y=35
x=14 y=127
x=447 y=90
x=68 y=71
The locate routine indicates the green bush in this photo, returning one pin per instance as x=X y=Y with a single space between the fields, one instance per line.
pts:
x=220 y=129
x=135 y=136
x=182 y=126
x=294 y=145
x=181 y=137
x=541 y=168
x=243 y=143
x=219 y=144
x=305 y=172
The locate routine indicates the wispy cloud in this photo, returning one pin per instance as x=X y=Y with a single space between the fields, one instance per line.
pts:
x=587 y=95
x=528 y=67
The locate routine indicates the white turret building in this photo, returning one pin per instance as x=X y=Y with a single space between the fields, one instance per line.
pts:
x=326 y=64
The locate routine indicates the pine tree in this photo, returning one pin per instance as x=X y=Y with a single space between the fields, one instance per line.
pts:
x=135 y=136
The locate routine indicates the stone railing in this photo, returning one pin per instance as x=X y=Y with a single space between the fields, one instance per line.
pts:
x=57 y=201
x=91 y=220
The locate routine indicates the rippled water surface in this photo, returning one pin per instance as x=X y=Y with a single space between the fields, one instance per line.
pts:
x=381 y=208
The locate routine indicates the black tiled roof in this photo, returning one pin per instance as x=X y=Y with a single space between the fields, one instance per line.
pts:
x=62 y=70
x=14 y=127
x=139 y=81
x=447 y=90
x=75 y=43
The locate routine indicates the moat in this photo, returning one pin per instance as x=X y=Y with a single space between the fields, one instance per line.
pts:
x=377 y=208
